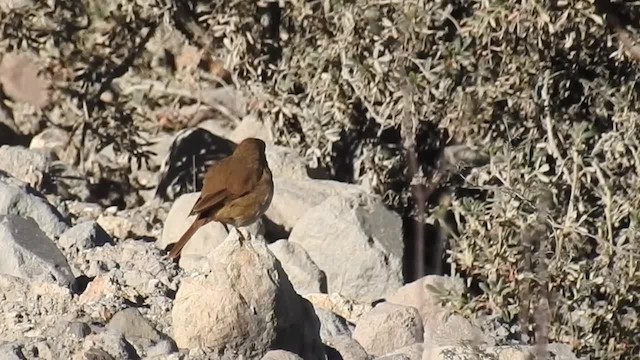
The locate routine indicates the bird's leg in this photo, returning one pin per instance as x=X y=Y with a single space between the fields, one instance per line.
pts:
x=242 y=238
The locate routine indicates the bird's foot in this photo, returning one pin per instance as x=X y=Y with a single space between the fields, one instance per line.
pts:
x=241 y=237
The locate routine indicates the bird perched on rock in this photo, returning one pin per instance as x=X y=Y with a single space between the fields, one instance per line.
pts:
x=236 y=191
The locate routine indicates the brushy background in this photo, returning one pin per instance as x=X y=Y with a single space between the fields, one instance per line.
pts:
x=544 y=93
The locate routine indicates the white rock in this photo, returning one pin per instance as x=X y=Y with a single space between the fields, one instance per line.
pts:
x=440 y=328
x=280 y=355
x=388 y=327
x=250 y=126
x=51 y=140
x=357 y=242
x=18 y=199
x=286 y=163
x=245 y=306
x=303 y=273
x=293 y=197
x=28 y=253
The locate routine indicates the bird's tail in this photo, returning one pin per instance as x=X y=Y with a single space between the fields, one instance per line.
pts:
x=177 y=248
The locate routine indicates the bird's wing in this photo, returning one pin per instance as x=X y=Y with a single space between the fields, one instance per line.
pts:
x=214 y=192
x=221 y=186
x=243 y=178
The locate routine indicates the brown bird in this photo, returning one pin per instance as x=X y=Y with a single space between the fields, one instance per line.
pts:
x=237 y=190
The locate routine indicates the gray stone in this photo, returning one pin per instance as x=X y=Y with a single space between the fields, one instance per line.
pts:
x=332 y=324
x=78 y=329
x=84 y=235
x=23 y=163
x=113 y=343
x=161 y=349
x=305 y=276
x=130 y=323
x=18 y=199
x=357 y=242
x=388 y=327
x=30 y=254
x=345 y=348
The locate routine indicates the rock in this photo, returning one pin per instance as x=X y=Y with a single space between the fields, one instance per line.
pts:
x=250 y=126
x=425 y=293
x=440 y=329
x=245 y=306
x=388 y=327
x=84 y=235
x=50 y=140
x=286 y=163
x=331 y=324
x=292 y=198
x=78 y=329
x=135 y=328
x=41 y=350
x=23 y=164
x=443 y=329
x=206 y=239
x=493 y=352
x=22 y=79
x=30 y=254
x=11 y=352
x=411 y=352
x=304 y=274
x=93 y=354
x=19 y=199
x=344 y=348
x=357 y=243
x=161 y=349
x=116 y=226
x=112 y=343
x=347 y=308
x=280 y=355
x=31 y=309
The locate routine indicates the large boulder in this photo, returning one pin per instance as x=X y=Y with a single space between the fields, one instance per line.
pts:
x=388 y=327
x=17 y=198
x=245 y=306
x=357 y=242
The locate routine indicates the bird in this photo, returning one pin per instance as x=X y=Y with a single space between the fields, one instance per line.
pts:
x=236 y=191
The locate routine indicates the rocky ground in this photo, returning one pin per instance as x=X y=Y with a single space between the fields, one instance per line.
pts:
x=321 y=278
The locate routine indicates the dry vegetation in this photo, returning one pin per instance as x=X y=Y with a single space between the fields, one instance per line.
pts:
x=545 y=231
